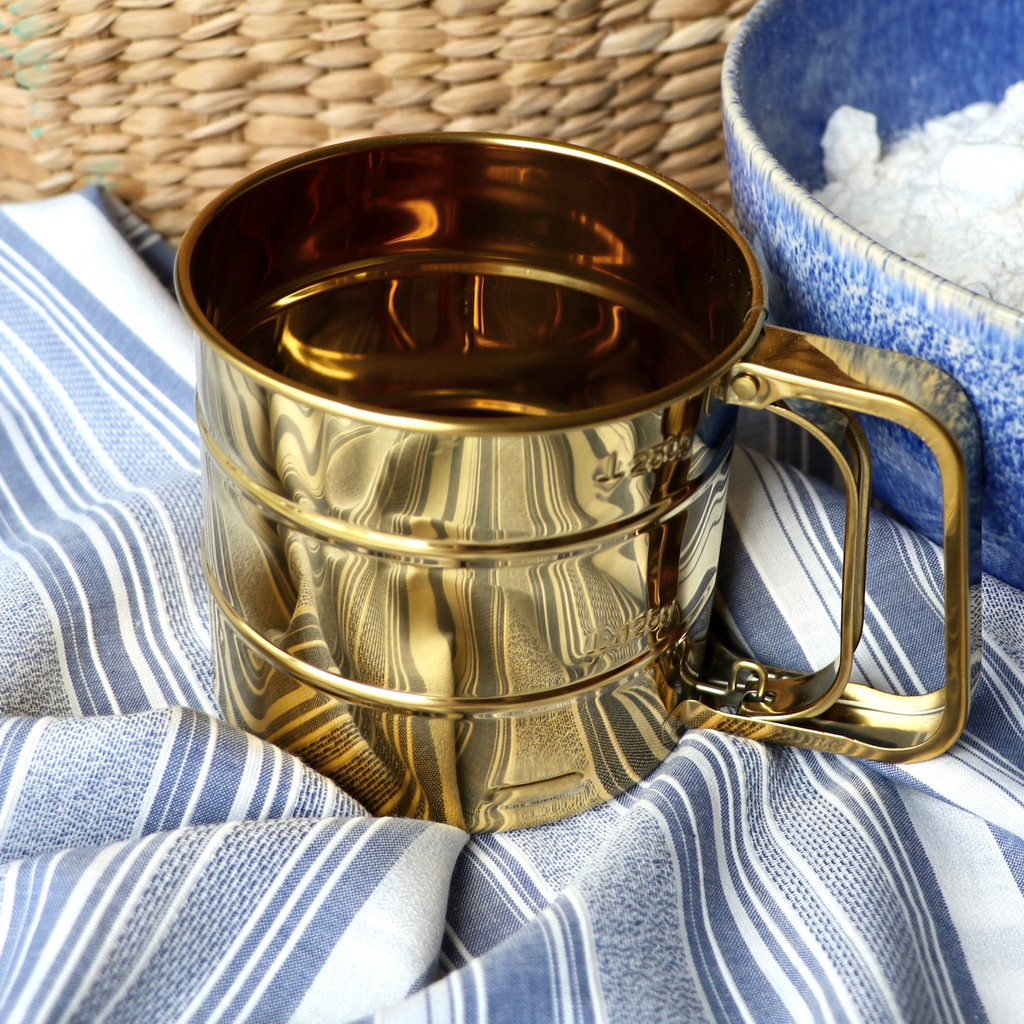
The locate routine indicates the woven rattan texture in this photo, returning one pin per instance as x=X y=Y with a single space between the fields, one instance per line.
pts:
x=168 y=103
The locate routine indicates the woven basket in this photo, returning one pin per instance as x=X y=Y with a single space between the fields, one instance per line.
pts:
x=167 y=102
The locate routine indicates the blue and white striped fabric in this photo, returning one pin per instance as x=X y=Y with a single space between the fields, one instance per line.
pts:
x=157 y=865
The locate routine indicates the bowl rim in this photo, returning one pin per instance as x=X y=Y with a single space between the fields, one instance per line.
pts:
x=941 y=291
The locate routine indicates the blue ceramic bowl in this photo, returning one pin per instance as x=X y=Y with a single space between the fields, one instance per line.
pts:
x=790 y=65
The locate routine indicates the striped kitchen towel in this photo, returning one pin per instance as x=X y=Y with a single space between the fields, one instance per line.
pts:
x=158 y=865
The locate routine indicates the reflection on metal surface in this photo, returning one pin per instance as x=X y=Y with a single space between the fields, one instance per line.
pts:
x=515 y=624
x=467 y=407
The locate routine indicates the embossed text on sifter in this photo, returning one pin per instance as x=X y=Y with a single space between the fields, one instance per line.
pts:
x=467 y=405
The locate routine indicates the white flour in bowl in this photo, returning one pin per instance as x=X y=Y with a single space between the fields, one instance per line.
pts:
x=948 y=195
